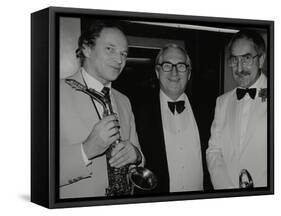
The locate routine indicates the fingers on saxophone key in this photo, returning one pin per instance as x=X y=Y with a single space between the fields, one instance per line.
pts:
x=115 y=134
x=117 y=149
x=120 y=158
x=112 y=129
x=114 y=137
x=112 y=125
x=110 y=117
x=120 y=162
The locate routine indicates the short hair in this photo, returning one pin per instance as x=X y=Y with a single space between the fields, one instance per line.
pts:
x=171 y=45
x=91 y=33
x=256 y=38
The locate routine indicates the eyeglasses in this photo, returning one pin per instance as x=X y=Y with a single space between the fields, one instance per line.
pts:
x=246 y=60
x=180 y=67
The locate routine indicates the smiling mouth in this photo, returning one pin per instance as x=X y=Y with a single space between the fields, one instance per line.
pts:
x=242 y=74
x=177 y=80
x=116 y=68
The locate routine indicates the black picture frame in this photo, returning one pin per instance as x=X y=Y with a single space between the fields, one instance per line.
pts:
x=45 y=58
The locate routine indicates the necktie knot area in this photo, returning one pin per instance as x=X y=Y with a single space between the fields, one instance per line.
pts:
x=105 y=92
x=178 y=105
x=240 y=93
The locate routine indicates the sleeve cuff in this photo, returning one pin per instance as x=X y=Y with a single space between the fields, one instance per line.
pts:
x=84 y=156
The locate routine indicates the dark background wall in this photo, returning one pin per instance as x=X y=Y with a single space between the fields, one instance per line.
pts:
x=206 y=47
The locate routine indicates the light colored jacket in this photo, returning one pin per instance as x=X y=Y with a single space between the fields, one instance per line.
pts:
x=77 y=118
x=224 y=158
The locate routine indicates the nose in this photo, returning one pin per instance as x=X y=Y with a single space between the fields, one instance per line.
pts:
x=118 y=58
x=239 y=65
x=174 y=70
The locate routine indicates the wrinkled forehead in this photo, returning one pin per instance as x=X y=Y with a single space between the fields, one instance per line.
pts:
x=174 y=55
x=243 y=46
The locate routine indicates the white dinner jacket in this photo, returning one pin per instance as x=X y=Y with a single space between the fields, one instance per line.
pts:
x=225 y=159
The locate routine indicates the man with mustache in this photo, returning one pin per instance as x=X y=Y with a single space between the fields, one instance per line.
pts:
x=85 y=134
x=237 y=152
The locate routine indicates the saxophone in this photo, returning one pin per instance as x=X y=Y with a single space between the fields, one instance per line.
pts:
x=121 y=181
x=245 y=179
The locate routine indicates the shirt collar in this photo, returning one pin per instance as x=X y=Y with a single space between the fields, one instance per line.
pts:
x=92 y=82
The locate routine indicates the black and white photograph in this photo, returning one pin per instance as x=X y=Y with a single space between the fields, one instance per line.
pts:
x=153 y=107
x=140 y=107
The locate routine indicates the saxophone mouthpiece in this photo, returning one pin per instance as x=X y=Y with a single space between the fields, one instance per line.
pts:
x=76 y=85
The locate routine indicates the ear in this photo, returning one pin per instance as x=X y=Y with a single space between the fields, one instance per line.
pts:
x=157 y=71
x=261 y=60
x=188 y=76
x=86 y=51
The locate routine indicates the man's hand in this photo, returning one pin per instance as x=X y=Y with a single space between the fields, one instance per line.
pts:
x=104 y=133
x=124 y=153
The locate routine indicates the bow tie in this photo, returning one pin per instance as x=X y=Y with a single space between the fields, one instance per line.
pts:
x=242 y=92
x=178 y=105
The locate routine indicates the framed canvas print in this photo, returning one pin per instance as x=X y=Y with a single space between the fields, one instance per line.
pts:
x=139 y=107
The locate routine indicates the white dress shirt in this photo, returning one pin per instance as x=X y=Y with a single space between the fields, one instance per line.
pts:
x=182 y=147
x=244 y=107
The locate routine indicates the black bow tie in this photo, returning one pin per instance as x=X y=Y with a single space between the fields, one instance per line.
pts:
x=242 y=92
x=178 y=105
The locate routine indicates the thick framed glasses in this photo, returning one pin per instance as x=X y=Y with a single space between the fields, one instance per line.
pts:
x=180 y=67
x=246 y=60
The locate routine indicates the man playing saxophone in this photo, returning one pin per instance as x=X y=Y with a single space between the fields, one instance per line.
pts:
x=85 y=133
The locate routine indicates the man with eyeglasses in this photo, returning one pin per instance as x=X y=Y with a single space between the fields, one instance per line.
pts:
x=237 y=153
x=167 y=130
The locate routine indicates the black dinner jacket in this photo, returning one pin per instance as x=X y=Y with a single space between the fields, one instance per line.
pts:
x=151 y=138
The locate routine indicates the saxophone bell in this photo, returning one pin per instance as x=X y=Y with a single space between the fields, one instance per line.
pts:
x=245 y=179
x=142 y=178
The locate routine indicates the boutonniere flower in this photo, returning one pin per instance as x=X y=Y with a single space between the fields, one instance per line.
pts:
x=263 y=94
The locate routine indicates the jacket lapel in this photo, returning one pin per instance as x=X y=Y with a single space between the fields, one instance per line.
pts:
x=234 y=120
x=159 y=142
x=84 y=105
x=257 y=107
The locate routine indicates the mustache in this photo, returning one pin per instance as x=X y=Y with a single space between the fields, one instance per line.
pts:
x=242 y=73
